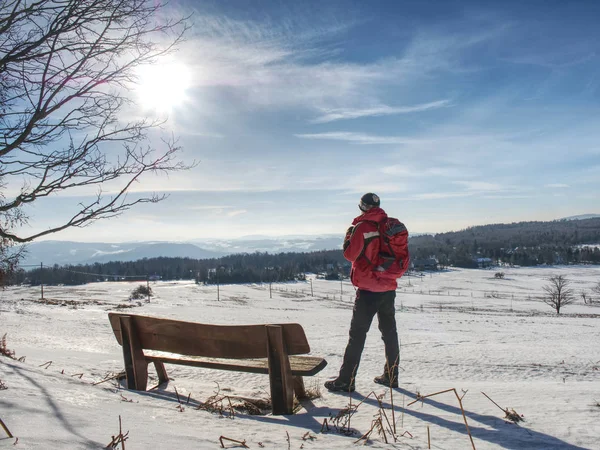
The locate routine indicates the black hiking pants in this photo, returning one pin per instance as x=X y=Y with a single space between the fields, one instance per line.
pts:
x=366 y=305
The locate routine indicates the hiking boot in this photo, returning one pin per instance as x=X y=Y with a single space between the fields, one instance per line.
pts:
x=385 y=381
x=338 y=385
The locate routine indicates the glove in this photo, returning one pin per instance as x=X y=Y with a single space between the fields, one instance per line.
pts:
x=347 y=237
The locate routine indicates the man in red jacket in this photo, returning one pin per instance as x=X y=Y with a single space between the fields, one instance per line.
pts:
x=375 y=295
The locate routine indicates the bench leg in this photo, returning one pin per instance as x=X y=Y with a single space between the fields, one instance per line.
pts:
x=280 y=373
x=299 y=389
x=161 y=372
x=136 y=366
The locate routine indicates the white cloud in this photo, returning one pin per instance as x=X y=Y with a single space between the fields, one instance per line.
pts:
x=361 y=138
x=441 y=195
x=428 y=171
x=331 y=115
x=480 y=186
x=557 y=185
x=236 y=212
x=269 y=64
x=399 y=170
x=218 y=208
x=509 y=196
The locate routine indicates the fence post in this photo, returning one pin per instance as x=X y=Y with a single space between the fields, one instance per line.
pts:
x=41 y=281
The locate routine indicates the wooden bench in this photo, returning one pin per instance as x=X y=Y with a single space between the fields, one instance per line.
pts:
x=267 y=349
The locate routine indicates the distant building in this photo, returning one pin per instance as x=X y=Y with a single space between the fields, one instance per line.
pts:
x=483 y=263
x=424 y=264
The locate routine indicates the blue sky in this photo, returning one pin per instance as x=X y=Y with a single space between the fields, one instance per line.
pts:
x=455 y=113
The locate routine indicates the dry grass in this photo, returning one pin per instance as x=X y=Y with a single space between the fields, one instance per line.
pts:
x=141 y=292
x=381 y=423
x=57 y=302
x=226 y=405
x=314 y=390
x=128 y=305
x=341 y=421
x=513 y=416
x=509 y=414
x=4 y=350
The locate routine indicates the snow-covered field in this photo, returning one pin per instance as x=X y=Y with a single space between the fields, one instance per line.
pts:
x=459 y=329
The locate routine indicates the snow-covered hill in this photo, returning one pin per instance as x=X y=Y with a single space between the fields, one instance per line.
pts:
x=461 y=329
x=581 y=217
x=68 y=252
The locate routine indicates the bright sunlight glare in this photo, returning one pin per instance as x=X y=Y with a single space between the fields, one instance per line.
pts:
x=163 y=86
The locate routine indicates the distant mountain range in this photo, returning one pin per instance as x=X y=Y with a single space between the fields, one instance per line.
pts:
x=581 y=217
x=68 y=252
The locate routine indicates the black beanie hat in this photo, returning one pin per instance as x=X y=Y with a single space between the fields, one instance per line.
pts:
x=369 y=201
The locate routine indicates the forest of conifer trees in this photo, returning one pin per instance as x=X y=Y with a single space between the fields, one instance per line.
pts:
x=521 y=244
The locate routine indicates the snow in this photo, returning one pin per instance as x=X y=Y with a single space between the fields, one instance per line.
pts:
x=461 y=329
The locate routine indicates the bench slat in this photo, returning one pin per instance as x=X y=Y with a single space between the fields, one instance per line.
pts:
x=216 y=341
x=301 y=365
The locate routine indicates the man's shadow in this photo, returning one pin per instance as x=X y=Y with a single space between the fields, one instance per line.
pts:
x=495 y=430
x=503 y=433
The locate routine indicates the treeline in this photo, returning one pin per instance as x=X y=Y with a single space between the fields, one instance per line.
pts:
x=241 y=268
x=523 y=244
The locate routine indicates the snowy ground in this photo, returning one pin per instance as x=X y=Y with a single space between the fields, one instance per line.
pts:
x=459 y=329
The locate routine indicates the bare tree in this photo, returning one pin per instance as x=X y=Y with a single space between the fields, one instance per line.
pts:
x=65 y=70
x=558 y=294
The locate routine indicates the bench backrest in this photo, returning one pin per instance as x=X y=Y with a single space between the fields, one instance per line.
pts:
x=213 y=341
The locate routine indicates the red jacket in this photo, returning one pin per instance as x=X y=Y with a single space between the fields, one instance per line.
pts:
x=361 y=245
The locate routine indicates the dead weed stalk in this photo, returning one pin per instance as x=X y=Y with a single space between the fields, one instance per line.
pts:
x=5 y=428
x=118 y=439
x=377 y=424
x=381 y=423
x=4 y=350
x=242 y=443
x=341 y=421
x=510 y=414
x=111 y=376
x=459 y=398
x=308 y=437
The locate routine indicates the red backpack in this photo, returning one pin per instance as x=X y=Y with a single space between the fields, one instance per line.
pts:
x=393 y=257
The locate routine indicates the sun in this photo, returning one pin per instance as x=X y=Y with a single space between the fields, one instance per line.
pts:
x=162 y=86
